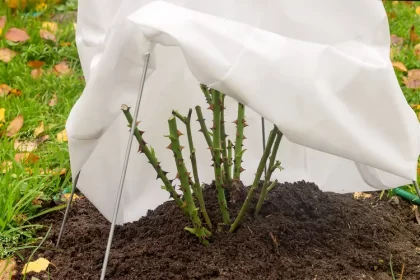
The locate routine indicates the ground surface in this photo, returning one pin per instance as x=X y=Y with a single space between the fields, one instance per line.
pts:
x=302 y=233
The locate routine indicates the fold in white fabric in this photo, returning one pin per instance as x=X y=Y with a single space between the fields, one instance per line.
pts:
x=319 y=70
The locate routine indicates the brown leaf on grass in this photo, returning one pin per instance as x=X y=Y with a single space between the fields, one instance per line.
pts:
x=7 y=54
x=54 y=172
x=408 y=3
x=50 y=26
x=16 y=35
x=413 y=35
x=7 y=269
x=14 y=126
x=62 y=68
x=66 y=197
x=36 y=73
x=3 y=20
x=396 y=41
x=36 y=64
x=16 y=92
x=26 y=158
x=14 y=4
x=399 y=65
x=413 y=79
x=62 y=136
x=30 y=146
x=37 y=201
x=391 y=15
x=46 y=35
x=39 y=130
x=53 y=101
x=4 y=90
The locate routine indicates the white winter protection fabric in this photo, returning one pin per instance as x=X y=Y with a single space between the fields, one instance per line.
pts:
x=319 y=70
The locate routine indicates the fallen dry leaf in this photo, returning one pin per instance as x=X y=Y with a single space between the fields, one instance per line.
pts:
x=66 y=197
x=5 y=166
x=2 y=117
x=14 y=126
x=62 y=68
x=16 y=35
x=53 y=101
x=36 y=73
x=7 y=54
x=65 y=44
x=30 y=146
x=7 y=269
x=26 y=158
x=16 y=92
x=399 y=66
x=62 y=136
x=413 y=35
x=359 y=195
x=39 y=265
x=413 y=79
x=46 y=35
x=37 y=201
x=4 y=90
x=50 y=26
x=418 y=10
x=394 y=3
x=56 y=171
x=3 y=20
x=39 y=129
x=396 y=41
x=14 y=4
x=36 y=63
x=408 y=3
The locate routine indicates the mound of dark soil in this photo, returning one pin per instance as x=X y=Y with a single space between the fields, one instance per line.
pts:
x=302 y=233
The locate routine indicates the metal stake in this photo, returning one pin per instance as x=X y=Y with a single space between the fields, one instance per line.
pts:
x=263 y=144
x=124 y=170
x=416 y=186
x=66 y=214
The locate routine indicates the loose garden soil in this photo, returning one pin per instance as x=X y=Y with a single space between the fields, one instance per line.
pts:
x=301 y=233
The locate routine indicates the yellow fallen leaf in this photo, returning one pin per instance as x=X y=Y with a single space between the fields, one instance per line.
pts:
x=30 y=146
x=39 y=265
x=2 y=118
x=15 y=125
x=16 y=92
x=62 y=136
x=7 y=269
x=359 y=195
x=50 y=26
x=14 y=4
x=5 y=166
x=399 y=65
x=66 y=197
x=39 y=129
x=418 y=10
x=394 y=3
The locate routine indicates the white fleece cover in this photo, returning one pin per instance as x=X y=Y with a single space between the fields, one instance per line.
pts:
x=319 y=70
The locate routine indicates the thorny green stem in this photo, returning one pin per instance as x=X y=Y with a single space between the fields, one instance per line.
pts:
x=150 y=154
x=201 y=232
x=217 y=155
x=207 y=94
x=257 y=178
x=230 y=163
x=197 y=188
x=203 y=128
x=273 y=185
x=227 y=179
x=240 y=125
x=272 y=166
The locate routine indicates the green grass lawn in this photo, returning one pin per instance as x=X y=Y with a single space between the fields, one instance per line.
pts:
x=31 y=181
